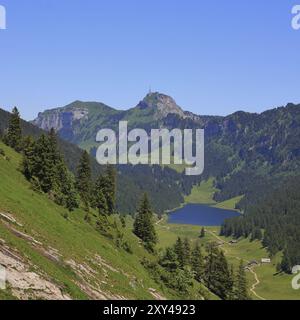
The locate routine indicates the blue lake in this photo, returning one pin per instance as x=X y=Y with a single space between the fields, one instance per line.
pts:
x=201 y=214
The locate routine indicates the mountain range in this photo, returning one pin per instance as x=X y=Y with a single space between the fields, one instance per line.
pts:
x=242 y=150
x=80 y=121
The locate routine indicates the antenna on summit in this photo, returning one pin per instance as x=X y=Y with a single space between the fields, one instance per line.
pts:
x=150 y=90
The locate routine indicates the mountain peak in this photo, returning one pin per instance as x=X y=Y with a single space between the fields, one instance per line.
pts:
x=162 y=103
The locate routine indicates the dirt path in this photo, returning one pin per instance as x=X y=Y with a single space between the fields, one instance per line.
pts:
x=159 y=221
x=219 y=239
x=252 y=289
x=257 y=281
x=162 y=226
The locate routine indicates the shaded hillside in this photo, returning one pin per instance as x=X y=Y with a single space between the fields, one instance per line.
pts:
x=163 y=184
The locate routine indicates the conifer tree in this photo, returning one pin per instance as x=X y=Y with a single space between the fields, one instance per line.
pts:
x=58 y=167
x=286 y=263
x=202 y=233
x=186 y=252
x=99 y=199
x=197 y=263
x=69 y=191
x=182 y=280
x=107 y=184
x=83 y=180
x=14 y=132
x=231 y=293
x=144 y=225
x=226 y=288
x=170 y=260
x=27 y=165
x=63 y=187
x=54 y=153
x=179 y=250
x=241 y=283
x=256 y=234
x=43 y=169
x=43 y=165
x=110 y=189
x=217 y=274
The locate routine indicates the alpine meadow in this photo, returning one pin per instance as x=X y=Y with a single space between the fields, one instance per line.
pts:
x=149 y=152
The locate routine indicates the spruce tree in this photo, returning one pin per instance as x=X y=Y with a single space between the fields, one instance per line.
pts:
x=231 y=293
x=99 y=199
x=241 y=283
x=54 y=153
x=83 y=180
x=27 y=165
x=217 y=273
x=63 y=189
x=256 y=234
x=170 y=260
x=197 y=263
x=186 y=252
x=226 y=288
x=110 y=189
x=144 y=225
x=179 y=250
x=286 y=263
x=202 y=233
x=58 y=168
x=14 y=132
x=43 y=169
x=107 y=184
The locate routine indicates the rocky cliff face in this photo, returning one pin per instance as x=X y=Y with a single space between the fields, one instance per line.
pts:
x=79 y=121
x=62 y=118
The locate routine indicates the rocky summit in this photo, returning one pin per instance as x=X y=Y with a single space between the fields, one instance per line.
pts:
x=162 y=104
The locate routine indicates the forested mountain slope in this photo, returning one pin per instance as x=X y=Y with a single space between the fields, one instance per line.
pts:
x=164 y=186
x=242 y=150
x=276 y=211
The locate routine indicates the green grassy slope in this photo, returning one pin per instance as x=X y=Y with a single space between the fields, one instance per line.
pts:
x=202 y=193
x=229 y=204
x=118 y=273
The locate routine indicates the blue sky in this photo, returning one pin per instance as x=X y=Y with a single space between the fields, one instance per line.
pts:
x=213 y=57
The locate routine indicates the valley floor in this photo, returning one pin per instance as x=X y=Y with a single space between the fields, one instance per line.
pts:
x=265 y=283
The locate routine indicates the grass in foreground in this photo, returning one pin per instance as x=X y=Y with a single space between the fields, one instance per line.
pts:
x=72 y=237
